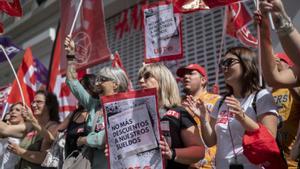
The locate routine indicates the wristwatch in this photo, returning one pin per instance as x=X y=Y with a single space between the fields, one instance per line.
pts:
x=173 y=154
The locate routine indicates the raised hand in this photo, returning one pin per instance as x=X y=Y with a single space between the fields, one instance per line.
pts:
x=234 y=106
x=197 y=107
x=165 y=149
x=277 y=10
x=69 y=46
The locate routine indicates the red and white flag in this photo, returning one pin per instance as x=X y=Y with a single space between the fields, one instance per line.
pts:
x=238 y=19
x=117 y=62
x=11 y=7
x=188 y=6
x=89 y=33
x=67 y=102
x=217 y=3
x=27 y=78
x=4 y=91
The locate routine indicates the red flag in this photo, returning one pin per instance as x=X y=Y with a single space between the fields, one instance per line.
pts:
x=1 y=27
x=217 y=3
x=13 y=8
x=117 y=62
x=89 y=33
x=187 y=6
x=67 y=102
x=27 y=78
x=237 y=20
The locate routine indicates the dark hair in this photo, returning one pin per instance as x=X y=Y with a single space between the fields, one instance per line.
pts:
x=51 y=104
x=250 y=75
x=88 y=83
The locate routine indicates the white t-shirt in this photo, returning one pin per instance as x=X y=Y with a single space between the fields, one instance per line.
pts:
x=225 y=155
x=8 y=160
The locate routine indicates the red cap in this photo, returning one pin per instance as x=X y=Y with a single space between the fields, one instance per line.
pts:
x=181 y=71
x=260 y=147
x=285 y=58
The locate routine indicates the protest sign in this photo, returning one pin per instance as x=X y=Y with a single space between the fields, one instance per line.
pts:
x=133 y=130
x=163 y=36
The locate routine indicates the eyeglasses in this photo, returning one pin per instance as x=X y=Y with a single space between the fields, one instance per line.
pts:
x=228 y=62
x=101 y=79
x=39 y=102
x=146 y=76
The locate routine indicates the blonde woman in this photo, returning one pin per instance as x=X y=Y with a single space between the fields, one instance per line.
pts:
x=182 y=145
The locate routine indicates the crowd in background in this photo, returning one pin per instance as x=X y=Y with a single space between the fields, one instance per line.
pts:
x=209 y=130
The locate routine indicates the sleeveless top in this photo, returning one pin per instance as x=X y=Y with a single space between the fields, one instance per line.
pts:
x=74 y=131
x=32 y=142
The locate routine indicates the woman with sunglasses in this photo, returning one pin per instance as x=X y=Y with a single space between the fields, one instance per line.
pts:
x=234 y=114
x=109 y=81
x=182 y=145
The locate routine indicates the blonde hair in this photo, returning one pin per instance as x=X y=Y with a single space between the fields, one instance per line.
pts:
x=118 y=76
x=168 y=89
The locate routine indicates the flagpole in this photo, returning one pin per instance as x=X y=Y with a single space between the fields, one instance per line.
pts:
x=76 y=16
x=221 y=47
x=259 y=48
x=15 y=74
x=4 y=110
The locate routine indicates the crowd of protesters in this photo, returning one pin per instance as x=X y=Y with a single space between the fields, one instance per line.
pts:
x=210 y=130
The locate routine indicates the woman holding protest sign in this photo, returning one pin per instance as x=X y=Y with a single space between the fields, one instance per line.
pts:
x=181 y=145
x=109 y=81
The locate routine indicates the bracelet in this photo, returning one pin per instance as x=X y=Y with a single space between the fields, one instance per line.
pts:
x=284 y=26
x=71 y=57
x=173 y=154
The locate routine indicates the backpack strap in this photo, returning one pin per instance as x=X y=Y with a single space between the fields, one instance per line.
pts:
x=254 y=101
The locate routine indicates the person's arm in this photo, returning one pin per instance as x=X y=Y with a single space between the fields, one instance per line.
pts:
x=286 y=78
x=234 y=107
x=193 y=150
x=17 y=131
x=287 y=33
x=84 y=98
x=93 y=139
x=36 y=157
x=200 y=110
x=270 y=121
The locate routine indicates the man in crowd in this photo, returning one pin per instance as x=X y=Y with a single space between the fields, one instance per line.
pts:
x=288 y=102
x=194 y=79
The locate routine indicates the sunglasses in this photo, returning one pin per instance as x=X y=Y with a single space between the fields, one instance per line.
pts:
x=226 y=63
x=101 y=79
x=146 y=76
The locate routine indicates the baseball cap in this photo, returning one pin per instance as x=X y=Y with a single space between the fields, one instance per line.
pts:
x=181 y=71
x=285 y=58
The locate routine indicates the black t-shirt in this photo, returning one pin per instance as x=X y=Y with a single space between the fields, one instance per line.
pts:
x=173 y=121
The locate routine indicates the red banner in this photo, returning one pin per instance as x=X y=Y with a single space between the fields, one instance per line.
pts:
x=237 y=20
x=12 y=8
x=89 y=32
x=67 y=102
x=187 y=6
x=27 y=80
x=217 y=3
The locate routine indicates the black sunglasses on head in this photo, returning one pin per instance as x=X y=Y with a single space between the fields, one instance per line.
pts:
x=228 y=62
